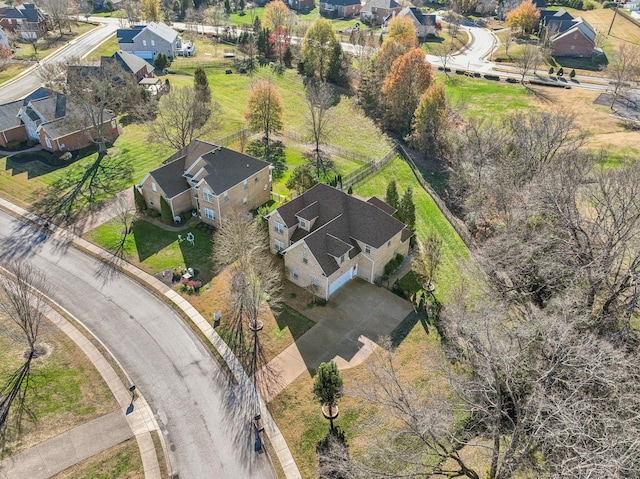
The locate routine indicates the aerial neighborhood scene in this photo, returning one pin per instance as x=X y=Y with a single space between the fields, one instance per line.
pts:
x=335 y=239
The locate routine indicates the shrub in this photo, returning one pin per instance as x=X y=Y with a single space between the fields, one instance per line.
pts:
x=13 y=145
x=350 y=190
x=551 y=70
x=572 y=74
x=560 y=71
x=399 y=259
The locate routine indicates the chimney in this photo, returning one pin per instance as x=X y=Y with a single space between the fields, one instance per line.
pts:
x=61 y=105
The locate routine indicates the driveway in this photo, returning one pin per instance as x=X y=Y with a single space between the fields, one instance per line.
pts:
x=347 y=331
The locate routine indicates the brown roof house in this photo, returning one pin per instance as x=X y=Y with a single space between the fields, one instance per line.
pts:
x=301 y=5
x=55 y=120
x=339 y=8
x=375 y=11
x=211 y=179
x=328 y=238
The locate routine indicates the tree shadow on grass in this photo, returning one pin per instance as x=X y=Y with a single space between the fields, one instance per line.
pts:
x=150 y=239
x=297 y=323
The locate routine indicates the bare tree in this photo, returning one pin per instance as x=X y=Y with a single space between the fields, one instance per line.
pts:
x=58 y=11
x=23 y=291
x=623 y=69
x=528 y=60
x=444 y=51
x=320 y=100
x=180 y=118
x=508 y=40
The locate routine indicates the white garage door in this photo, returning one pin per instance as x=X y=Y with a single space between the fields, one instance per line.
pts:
x=338 y=283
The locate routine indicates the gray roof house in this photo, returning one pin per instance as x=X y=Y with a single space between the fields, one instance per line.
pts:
x=425 y=24
x=146 y=41
x=375 y=11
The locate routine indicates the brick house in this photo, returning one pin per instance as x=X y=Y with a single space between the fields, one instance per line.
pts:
x=133 y=65
x=340 y=8
x=304 y=5
x=424 y=24
x=328 y=238
x=146 y=41
x=213 y=180
x=375 y=11
x=568 y=36
x=54 y=120
x=27 y=20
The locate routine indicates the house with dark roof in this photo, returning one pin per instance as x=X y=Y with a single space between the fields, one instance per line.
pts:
x=375 y=11
x=146 y=41
x=339 y=8
x=27 y=20
x=301 y=5
x=424 y=24
x=4 y=40
x=131 y=64
x=328 y=237
x=55 y=120
x=215 y=181
x=568 y=36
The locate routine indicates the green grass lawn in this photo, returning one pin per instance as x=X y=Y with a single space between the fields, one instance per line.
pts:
x=121 y=461
x=12 y=71
x=48 y=45
x=154 y=249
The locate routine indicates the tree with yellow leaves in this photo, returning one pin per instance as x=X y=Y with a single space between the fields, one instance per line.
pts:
x=151 y=10
x=402 y=30
x=525 y=17
x=276 y=15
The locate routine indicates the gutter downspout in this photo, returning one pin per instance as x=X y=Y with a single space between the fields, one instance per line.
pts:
x=219 y=211
x=326 y=291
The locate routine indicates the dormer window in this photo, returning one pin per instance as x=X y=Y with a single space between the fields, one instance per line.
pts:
x=303 y=224
x=367 y=249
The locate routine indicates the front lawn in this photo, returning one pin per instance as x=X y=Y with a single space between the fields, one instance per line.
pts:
x=155 y=249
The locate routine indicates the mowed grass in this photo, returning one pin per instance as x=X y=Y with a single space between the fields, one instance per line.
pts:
x=154 y=249
x=122 y=462
x=66 y=390
x=623 y=31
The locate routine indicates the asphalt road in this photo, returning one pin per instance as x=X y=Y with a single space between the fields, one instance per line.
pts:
x=23 y=85
x=206 y=420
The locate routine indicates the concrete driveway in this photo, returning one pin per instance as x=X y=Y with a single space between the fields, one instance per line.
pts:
x=347 y=331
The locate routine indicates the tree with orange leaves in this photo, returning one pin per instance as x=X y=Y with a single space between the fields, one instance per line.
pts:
x=409 y=78
x=525 y=17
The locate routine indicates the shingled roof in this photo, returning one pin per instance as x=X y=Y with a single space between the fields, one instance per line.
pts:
x=341 y=220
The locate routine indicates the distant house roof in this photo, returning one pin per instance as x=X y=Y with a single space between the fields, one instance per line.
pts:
x=199 y=161
x=163 y=31
x=9 y=115
x=421 y=17
x=387 y=4
x=558 y=21
x=342 y=3
x=28 y=12
x=132 y=63
x=126 y=35
x=578 y=24
x=341 y=221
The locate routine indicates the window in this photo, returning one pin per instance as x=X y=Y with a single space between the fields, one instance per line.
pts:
x=278 y=227
x=153 y=187
x=573 y=47
x=314 y=281
x=208 y=197
x=342 y=259
x=255 y=179
x=151 y=200
x=210 y=214
x=295 y=273
x=303 y=224
x=244 y=200
x=305 y=257
x=48 y=142
x=367 y=249
x=245 y=184
x=153 y=43
x=226 y=196
x=144 y=43
x=389 y=243
x=279 y=245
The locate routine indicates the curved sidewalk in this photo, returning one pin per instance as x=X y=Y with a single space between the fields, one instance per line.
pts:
x=273 y=432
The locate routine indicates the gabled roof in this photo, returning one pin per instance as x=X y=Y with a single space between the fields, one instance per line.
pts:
x=387 y=208
x=387 y=4
x=342 y=3
x=27 y=12
x=419 y=15
x=132 y=63
x=579 y=25
x=163 y=31
x=9 y=115
x=126 y=35
x=341 y=220
x=220 y=167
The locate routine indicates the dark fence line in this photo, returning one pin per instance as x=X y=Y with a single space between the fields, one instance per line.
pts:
x=457 y=224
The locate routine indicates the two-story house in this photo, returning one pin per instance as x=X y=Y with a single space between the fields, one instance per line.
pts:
x=328 y=237
x=375 y=11
x=27 y=20
x=213 y=180
x=339 y=8
x=146 y=41
x=425 y=24
x=55 y=120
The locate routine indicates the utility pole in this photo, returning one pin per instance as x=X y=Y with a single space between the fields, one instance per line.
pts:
x=615 y=12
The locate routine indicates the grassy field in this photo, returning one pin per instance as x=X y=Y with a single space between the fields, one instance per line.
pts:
x=154 y=249
x=52 y=42
x=122 y=462
x=623 y=30
x=66 y=388
x=13 y=70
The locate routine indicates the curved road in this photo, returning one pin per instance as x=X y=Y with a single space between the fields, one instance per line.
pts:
x=206 y=421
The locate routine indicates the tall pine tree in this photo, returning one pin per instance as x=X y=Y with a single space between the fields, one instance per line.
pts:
x=391 y=197
x=201 y=84
x=407 y=209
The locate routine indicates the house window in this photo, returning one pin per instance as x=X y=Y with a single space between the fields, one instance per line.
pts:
x=255 y=179
x=303 y=224
x=245 y=184
x=210 y=214
x=244 y=200
x=208 y=197
x=342 y=259
x=573 y=47
x=305 y=257
x=153 y=43
x=226 y=196
x=153 y=187
x=278 y=228
x=151 y=200
x=389 y=243
x=47 y=141
x=144 y=43
x=314 y=281
x=295 y=273
x=367 y=249
x=279 y=245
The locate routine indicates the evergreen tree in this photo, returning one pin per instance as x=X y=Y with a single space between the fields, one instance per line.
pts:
x=161 y=61
x=257 y=25
x=350 y=190
x=201 y=84
x=165 y=211
x=141 y=204
x=391 y=197
x=327 y=388
x=227 y=7
x=407 y=209
x=287 y=58
x=336 y=70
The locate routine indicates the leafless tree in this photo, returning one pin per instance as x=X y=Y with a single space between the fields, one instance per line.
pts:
x=320 y=99
x=180 y=118
x=508 y=40
x=528 y=60
x=444 y=51
x=133 y=11
x=23 y=291
x=58 y=11
x=623 y=69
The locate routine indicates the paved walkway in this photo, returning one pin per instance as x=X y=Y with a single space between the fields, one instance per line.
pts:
x=145 y=418
x=347 y=331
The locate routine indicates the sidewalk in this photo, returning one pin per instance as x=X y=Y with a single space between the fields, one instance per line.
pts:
x=275 y=436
